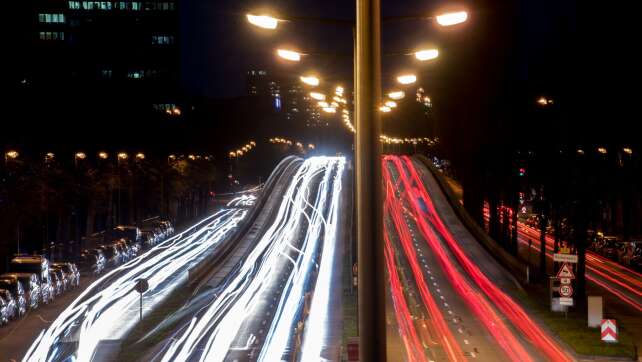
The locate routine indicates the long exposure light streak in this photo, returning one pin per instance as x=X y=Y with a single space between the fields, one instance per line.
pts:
x=518 y=317
x=280 y=250
x=104 y=308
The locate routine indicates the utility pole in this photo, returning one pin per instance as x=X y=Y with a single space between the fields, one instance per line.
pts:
x=371 y=285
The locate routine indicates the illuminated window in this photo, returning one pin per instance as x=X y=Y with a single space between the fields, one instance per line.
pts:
x=74 y=5
x=51 y=35
x=106 y=73
x=135 y=74
x=51 y=18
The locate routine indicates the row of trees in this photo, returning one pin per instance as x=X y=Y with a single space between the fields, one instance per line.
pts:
x=572 y=191
x=57 y=202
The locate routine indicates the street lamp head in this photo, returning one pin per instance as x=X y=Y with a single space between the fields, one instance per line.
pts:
x=426 y=54
x=310 y=80
x=140 y=156
x=391 y=104
x=12 y=154
x=318 y=96
x=80 y=155
x=172 y=157
x=122 y=156
x=452 y=18
x=103 y=155
x=290 y=55
x=49 y=156
x=263 y=21
x=407 y=79
x=543 y=101
x=396 y=95
x=627 y=150
x=385 y=109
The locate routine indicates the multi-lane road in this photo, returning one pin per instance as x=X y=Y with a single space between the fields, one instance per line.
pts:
x=451 y=300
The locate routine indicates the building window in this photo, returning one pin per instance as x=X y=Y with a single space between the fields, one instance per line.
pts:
x=51 y=18
x=51 y=35
x=135 y=74
x=74 y=5
x=106 y=73
x=162 y=39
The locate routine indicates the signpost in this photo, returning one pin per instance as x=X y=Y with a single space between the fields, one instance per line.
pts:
x=141 y=287
x=562 y=283
x=609 y=331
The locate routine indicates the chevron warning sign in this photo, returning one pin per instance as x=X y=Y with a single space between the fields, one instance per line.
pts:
x=609 y=330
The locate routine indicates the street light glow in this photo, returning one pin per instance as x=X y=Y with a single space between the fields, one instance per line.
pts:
x=329 y=109
x=426 y=54
x=602 y=150
x=103 y=155
x=13 y=154
x=310 y=80
x=407 y=79
x=391 y=104
x=323 y=104
x=318 y=96
x=80 y=155
x=339 y=90
x=384 y=109
x=396 y=95
x=290 y=55
x=627 y=150
x=122 y=155
x=263 y=21
x=454 y=18
x=140 y=156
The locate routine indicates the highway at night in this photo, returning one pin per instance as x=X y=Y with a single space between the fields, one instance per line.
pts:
x=465 y=309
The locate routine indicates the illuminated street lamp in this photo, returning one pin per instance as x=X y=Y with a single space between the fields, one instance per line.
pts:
x=140 y=156
x=384 y=109
x=122 y=156
x=602 y=150
x=80 y=156
x=339 y=90
x=407 y=79
x=49 y=156
x=290 y=55
x=329 y=109
x=452 y=18
x=103 y=155
x=627 y=150
x=391 y=104
x=318 y=96
x=263 y=21
x=191 y=157
x=396 y=95
x=426 y=54
x=543 y=101
x=12 y=154
x=310 y=80
x=323 y=104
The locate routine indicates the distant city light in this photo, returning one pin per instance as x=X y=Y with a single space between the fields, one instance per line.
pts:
x=391 y=104
x=310 y=80
x=427 y=54
x=289 y=54
x=263 y=21
x=384 y=109
x=543 y=101
x=407 y=79
x=396 y=95
x=329 y=109
x=454 y=18
x=602 y=150
x=339 y=90
x=323 y=104
x=580 y=151
x=318 y=96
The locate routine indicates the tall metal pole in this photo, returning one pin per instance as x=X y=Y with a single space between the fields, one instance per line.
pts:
x=372 y=334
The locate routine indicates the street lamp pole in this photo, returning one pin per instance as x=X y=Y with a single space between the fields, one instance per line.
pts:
x=371 y=280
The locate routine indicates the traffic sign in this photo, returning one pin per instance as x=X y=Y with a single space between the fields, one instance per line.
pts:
x=566 y=290
x=565 y=258
x=565 y=272
x=565 y=280
x=141 y=285
x=566 y=301
x=609 y=330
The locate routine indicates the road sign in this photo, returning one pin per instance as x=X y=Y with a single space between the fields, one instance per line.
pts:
x=565 y=280
x=566 y=301
x=566 y=290
x=565 y=258
x=609 y=330
x=141 y=286
x=566 y=272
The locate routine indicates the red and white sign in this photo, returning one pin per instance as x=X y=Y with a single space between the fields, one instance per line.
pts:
x=566 y=290
x=609 y=330
x=566 y=272
x=565 y=280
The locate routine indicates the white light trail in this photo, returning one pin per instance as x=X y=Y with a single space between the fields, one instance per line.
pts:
x=309 y=204
x=100 y=312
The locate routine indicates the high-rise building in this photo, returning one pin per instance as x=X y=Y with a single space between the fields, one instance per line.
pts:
x=100 y=54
